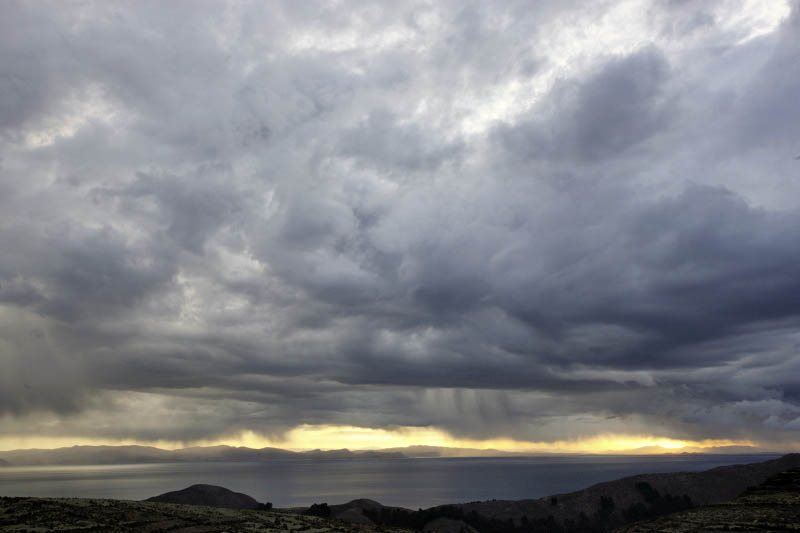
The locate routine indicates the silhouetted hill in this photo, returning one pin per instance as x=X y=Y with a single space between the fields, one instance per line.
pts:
x=209 y=495
x=357 y=510
x=80 y=455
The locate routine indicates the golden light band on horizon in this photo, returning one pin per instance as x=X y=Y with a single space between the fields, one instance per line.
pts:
x=306 y=437
x=332 y=437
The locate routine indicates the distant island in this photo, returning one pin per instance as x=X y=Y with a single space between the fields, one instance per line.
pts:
x=103 y=455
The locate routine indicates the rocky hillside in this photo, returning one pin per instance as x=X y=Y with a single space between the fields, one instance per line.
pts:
x=209 y=495
x=772 y=506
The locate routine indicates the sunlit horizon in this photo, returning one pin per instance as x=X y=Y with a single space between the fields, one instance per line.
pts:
x=334 y=437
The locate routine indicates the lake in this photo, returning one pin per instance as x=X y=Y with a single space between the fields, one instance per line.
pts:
x=411 y=483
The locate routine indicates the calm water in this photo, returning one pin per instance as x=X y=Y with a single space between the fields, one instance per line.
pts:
x=409 y=483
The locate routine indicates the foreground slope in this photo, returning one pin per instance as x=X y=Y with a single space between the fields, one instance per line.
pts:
x=112 y=516
x=772 y=506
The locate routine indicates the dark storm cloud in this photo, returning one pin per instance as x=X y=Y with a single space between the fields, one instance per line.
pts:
x=613 y=110
x=244 y=217
x=79 y=274
x=192 y=207
x=33 y=82
x=384 y=143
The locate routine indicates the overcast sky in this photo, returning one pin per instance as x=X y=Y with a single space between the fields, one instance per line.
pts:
x=530 y=220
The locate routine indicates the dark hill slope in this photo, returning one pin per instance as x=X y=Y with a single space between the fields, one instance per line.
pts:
x=208 y=495
x=357 y=510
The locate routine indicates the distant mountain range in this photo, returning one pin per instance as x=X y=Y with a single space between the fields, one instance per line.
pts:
x=715 y=450
x=84 y=455
x=442 y=451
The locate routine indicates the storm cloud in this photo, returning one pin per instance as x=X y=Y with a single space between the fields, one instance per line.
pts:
x=537 y=221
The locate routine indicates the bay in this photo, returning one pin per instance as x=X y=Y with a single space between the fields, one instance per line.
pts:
x=412 y=483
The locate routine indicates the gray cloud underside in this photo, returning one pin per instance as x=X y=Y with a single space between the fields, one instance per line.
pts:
x=262 y=225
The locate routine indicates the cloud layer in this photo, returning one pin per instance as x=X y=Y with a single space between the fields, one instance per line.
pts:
x=536 y=222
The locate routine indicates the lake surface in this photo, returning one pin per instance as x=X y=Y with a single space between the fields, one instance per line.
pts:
x=411 y=483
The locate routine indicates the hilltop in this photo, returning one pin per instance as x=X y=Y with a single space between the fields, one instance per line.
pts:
x=208 y=495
